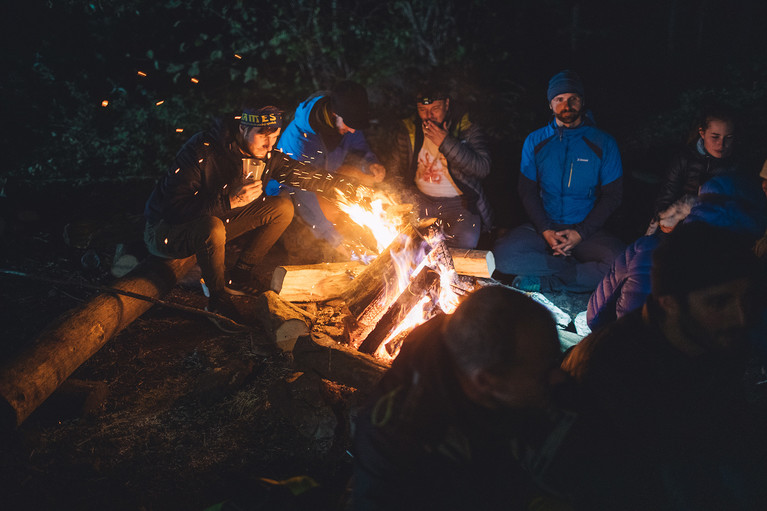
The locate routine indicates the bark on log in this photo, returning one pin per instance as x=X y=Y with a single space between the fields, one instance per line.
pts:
x=283 y=321
x=474 y=263
x=27 y=380
x=337 y=362
x=314 y=282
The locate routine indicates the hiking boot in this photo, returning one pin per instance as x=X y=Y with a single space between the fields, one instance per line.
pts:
x=530 y=284
x=223 y=306
x=241 y=283
x=527 y=284
x=241 y=288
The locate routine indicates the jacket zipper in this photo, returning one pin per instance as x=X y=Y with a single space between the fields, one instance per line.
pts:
x=570 y=179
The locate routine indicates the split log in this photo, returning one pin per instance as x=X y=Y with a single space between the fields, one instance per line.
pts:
x=370 y=295
x=422 y=285
x=368 y=292
x=284 y=322
x=474 y=263
x=27 y=380
x=314 y=282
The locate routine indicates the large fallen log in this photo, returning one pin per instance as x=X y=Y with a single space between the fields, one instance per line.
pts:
x=314 y=282
x=474 y=263
x=27 y=380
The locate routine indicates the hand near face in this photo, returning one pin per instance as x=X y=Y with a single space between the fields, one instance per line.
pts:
x=247 y=193
x=434 y=132
x=378 y=171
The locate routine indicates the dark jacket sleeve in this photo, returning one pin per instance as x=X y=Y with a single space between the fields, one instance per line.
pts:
x=610 y=197
x=402 y=156
x=468 y=156
x=672 y=188
x=191 y=188
x=531 y=199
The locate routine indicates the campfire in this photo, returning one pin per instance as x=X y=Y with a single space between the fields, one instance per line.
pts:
x=411 y=275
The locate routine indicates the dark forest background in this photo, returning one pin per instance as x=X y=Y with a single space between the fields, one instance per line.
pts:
x=171 y=65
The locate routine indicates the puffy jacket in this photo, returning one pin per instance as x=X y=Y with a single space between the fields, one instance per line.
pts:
x=728 y=201
x=626 y=286
x=570 y=176
x=209 y=165
x=302 y=141
x=688 y=171
x=466 y=152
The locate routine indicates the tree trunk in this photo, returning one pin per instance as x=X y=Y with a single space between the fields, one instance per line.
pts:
x=28 y=380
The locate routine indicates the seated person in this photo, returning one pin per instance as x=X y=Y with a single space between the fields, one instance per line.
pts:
x=728 y=201
x=443 y=157
x=213 y=193
x=709 y=154
x=662 y=397
x=326 y=132
x=571 y=181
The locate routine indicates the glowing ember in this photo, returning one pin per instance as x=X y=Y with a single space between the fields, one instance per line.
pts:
x=141 y=73
x=195 y=80
x=104 y=103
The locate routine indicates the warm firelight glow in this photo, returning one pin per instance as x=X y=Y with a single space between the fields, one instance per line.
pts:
x=378 y=215
x=105 y=103
x=374 y=219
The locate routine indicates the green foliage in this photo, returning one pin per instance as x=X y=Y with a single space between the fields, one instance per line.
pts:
x=201 y=57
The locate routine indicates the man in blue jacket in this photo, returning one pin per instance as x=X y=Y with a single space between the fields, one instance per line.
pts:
x=326 y=132
x=571 y=181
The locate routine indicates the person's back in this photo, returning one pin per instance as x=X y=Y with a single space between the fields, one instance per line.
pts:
x=436 y=435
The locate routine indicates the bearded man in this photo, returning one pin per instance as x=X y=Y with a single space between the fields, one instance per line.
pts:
x=571 y=181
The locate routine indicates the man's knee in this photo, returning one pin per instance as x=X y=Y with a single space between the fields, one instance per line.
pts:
x=282 y=208
x=214 y=230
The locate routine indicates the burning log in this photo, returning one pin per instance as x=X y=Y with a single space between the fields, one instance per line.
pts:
x=28 y=380
x=283 y=321
x=314 y=282
x=423 y=284
x=370 y=295
x=474 y=263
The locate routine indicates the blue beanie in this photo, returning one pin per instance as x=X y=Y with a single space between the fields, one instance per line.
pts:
x=564 y=82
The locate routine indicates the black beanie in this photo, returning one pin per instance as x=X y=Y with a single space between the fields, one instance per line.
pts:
x=698 y=255
x=350 y=101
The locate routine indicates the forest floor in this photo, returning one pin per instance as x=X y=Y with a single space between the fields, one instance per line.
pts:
x=171 y=413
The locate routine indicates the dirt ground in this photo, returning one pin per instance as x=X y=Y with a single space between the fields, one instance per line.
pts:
x=171 y=413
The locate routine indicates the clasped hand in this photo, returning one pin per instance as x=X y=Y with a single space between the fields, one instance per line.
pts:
x=245 y=194
x=562 y=242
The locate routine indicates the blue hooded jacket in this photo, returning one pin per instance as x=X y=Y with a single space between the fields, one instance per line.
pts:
x=570 y=165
